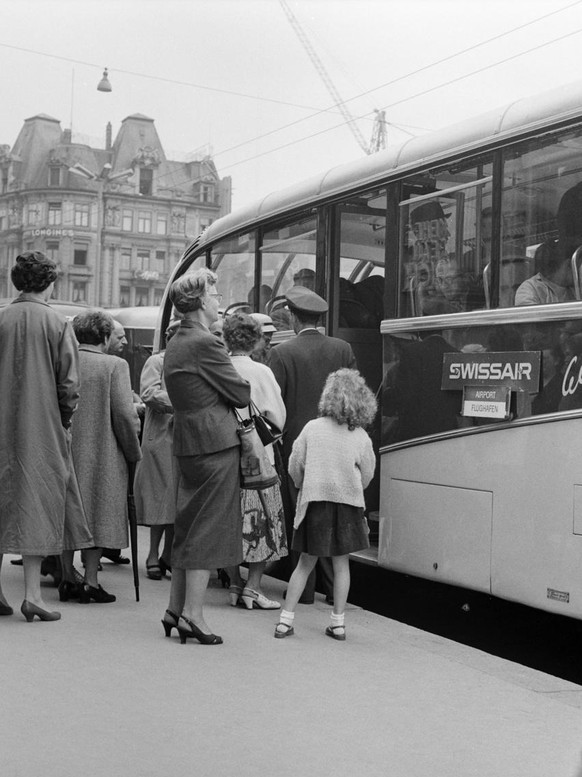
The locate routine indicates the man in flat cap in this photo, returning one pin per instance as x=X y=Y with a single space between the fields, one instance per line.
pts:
x=301 y=366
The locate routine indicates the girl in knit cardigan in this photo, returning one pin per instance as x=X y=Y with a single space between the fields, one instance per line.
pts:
x=331 y=464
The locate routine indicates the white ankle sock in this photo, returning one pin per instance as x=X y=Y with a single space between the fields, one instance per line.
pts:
x=337 y=620
x=286 y=617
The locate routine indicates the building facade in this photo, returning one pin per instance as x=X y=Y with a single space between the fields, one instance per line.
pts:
x=116 y=220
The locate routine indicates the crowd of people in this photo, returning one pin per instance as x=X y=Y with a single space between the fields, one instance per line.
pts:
x=74 y=431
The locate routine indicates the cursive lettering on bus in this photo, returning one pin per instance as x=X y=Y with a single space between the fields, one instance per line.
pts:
x=571 y=379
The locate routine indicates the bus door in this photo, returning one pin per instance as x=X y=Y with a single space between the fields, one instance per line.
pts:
x=357 y=294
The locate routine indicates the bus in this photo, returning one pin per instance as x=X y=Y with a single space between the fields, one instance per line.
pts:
x=140 y=325
x=424 y=252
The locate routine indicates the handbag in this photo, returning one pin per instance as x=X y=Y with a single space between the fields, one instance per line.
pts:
x=266 y=429
x=256 y=471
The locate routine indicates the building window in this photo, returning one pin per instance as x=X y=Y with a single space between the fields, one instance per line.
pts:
x=54 y=176
x=207 y=193
x=31 y=214
x=141 y=296
x=79 y=291
x=160 y=261
x=81 y=215
x=52 y=250
x=127 y=221
x=124 y=296
x=146 y=180
x=125 y=259
x=158 y=294
x=162 y=224
x=144 y=221
x=54 y=214
x=2 y=223
x=80 y=256
x=143 y=260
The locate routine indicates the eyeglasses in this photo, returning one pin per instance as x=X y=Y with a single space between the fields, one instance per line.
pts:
x=217 y=297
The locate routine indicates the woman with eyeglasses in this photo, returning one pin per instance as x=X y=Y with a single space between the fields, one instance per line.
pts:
x=203 y=387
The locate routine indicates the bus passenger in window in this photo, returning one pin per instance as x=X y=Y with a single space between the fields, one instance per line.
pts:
x=456 y=290
x=553 y=281
x=569 y=221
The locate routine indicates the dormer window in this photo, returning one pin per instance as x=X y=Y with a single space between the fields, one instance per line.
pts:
x=146 y=181
x=54 y=175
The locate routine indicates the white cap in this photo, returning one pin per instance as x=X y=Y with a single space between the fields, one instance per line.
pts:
x=265 y=321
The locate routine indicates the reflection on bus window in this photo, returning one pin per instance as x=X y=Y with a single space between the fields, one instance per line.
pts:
x=234 y=262
x=445 y=241
x=415 y=405
x=288 y=259
x=362 y=260
x=541 y=224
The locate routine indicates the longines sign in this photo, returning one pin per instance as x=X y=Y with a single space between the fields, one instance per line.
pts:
x=50 y=232
x=518 y=370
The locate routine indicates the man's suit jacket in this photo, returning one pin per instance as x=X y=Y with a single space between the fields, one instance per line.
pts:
x=203 y=387
x=301 y=366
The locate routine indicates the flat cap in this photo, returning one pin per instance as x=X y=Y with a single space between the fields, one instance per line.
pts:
x=305 y=300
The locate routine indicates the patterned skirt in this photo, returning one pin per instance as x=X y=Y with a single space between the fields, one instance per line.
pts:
x=264 y=537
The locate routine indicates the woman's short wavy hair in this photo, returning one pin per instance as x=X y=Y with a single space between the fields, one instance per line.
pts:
x=189 y=290
x=93 y=327
x=33 y=272
x=241 y=332
x=347 y=399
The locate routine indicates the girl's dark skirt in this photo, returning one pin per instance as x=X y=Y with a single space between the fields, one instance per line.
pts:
x=331 y=529
x=208 y=526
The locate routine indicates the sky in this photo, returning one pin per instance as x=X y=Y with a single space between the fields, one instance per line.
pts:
x=232 y=78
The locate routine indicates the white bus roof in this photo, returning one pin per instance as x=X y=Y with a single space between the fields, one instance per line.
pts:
x=470 y=136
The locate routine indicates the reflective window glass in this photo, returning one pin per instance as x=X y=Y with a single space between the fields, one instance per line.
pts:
x=541 y=224
x=445 y=240
x=415 y=404
x=233 y=261
x=288 y=259
x=362 y=260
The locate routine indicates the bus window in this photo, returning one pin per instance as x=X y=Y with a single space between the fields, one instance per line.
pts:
x=233 y=261
x=288 y=259
x=445 y=242
x=540 y=213
x=362 y=258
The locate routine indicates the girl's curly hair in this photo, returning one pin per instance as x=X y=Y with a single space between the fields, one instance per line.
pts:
x=33 y=272
x=347 y=399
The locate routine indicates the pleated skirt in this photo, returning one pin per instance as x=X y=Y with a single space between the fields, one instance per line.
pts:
x=331 y=529
x=208 y=525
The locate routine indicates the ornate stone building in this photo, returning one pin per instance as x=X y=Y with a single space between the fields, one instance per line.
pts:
x=115 y=219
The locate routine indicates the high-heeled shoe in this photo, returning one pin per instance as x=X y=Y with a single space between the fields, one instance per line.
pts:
x=252 y=598
x=68 y=590
x=5 y=608
x=193 y=632
x=164 y=568
x=29 y=610
x=98 y=595
x=169 y=626
x=234 y=593
x=224 y=577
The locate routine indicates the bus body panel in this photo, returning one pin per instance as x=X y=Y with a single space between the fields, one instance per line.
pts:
x=513 y=495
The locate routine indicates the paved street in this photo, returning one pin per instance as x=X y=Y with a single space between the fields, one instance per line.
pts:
x=103 y=692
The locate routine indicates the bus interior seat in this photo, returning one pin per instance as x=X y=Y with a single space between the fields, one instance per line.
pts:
x=514 y=271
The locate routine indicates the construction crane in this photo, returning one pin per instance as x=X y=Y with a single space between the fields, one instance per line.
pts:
x=378 y=141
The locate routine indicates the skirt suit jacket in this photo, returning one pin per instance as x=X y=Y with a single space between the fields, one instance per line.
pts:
x=203 y=387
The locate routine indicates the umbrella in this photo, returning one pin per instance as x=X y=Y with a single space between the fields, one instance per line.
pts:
x=132 y=527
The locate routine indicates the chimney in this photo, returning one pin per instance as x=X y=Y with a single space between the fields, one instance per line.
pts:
x=108 y=136
x=66 y=137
